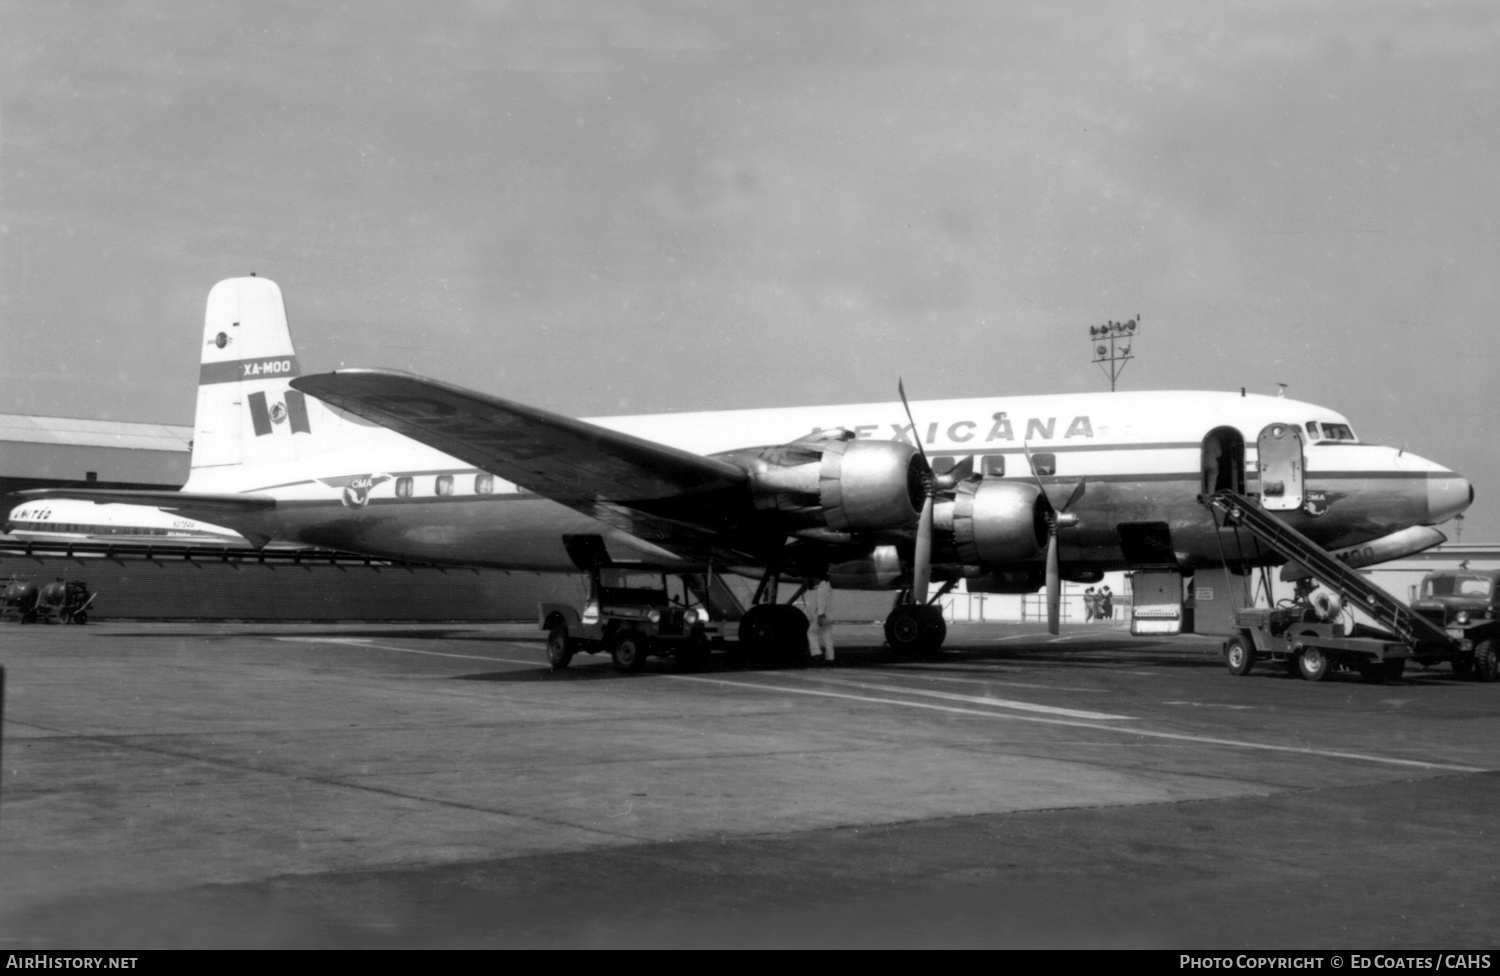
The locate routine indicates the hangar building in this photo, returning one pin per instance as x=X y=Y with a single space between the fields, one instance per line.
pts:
x=57 y=452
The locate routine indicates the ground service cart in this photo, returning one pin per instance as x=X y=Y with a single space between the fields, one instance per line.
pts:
x=1295 y=635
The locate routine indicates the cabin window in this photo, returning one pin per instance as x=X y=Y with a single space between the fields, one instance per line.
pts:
x=992 y=465
x=943 y=463
x=1044 y=465
x=403 y=487
x=444 y=484
x=484 y=483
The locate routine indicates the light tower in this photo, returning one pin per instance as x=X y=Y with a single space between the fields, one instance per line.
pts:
x=1111 y=342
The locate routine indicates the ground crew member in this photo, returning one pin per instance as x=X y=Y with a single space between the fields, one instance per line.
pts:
x=820 y=632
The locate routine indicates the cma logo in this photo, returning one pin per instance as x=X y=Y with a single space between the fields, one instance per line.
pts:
x=999 y=428
x=356 y=488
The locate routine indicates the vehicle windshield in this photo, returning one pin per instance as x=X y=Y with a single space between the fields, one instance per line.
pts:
x=1471 y=586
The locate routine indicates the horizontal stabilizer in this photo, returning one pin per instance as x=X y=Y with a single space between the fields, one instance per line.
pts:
x=207 y=508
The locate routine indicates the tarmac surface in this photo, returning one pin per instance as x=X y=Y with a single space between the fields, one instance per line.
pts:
x=373 y=786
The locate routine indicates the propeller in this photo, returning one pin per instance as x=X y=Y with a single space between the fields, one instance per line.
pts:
x=921 y=570
x=1056 y=519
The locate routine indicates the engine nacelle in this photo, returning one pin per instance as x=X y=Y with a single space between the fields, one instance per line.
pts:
x=879 y=569
x=837 y=482
x=996 y=522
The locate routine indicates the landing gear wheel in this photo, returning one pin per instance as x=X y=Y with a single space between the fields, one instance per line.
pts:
x=773 y=633
x=1239 y=655
x=1487 y=660
x=903 y=628
x=934 y=629
x=758 y=632
x=559 y=648
x=1313 y=664
x=911 y=628
x=629 y=651
x=692 y=654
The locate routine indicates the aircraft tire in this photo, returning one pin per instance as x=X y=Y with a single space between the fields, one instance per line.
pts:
x=559 y=648
x=1239 y=656
x=629 y=651
x=934 y=629
x=1313 y=664
x=758 y=632
x=1487 y=660
x=791 y=644
x=911 y=629
x=692 y=654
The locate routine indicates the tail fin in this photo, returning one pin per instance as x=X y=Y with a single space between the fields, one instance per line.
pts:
x=247 y=415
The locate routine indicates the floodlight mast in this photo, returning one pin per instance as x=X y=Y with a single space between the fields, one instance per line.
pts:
x=1111 y=343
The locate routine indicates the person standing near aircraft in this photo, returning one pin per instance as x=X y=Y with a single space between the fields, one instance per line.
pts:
x=1090 y=605
x=820 y=633
x=1106 y=604
x=1213 y=452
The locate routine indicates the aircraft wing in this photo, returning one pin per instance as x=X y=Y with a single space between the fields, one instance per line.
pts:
x=649 y=489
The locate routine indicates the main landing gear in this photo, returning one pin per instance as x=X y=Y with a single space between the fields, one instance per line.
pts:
x=770 y=632
x=916 y=628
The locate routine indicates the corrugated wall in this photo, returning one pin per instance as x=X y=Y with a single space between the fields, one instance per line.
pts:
x=210 y=589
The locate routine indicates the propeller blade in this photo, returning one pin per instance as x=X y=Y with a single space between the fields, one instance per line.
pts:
x=1054 y=585
x=921 y=570
x=901 y=389
x=1077 y=494
x=960 y=472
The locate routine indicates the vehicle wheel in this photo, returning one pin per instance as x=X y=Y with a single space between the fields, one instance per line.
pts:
x=1239 y=655
x=629 y=651
x=1487 y=660
x=559 y=648
x=1313 y=664
x=1393 y=669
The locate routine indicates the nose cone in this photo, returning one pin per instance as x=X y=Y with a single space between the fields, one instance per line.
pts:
x=1447 y=495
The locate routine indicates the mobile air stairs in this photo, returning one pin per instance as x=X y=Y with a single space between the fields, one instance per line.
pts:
x=1309 y=642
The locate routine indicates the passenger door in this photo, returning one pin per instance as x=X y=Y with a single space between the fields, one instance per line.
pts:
x=1280 y=467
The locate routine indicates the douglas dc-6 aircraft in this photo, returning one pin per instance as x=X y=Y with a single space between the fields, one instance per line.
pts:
x=1008 y=493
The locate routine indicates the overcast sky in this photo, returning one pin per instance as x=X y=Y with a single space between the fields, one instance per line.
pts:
x=636 y=207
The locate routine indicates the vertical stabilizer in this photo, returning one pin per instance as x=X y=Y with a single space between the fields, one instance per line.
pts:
x=247 y=415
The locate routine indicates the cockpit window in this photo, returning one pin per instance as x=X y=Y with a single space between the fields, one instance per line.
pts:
x=1312 y=429
x=1332 y=432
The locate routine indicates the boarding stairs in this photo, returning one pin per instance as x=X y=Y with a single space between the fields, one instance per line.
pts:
x=1350 y=584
